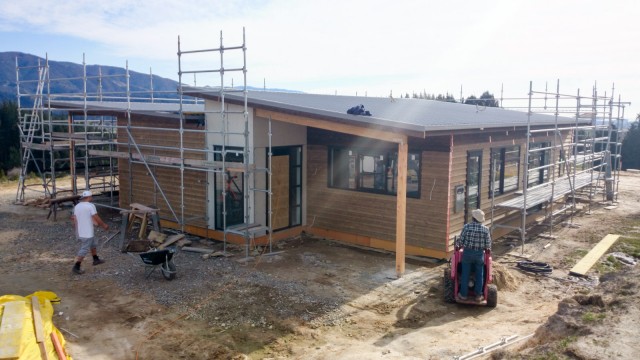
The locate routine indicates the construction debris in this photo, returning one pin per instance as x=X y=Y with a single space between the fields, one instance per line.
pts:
x=170 y=240
x=198 y=250
x=215 y=254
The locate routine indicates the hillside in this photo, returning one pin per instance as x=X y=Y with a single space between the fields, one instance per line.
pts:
x=65 y=70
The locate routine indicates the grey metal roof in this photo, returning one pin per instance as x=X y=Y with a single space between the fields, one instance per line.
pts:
x=410 y=114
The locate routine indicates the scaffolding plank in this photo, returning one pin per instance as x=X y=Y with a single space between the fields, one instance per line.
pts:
x=64 y=145
x=583 y=266
x=542 y=194
x=168 y=160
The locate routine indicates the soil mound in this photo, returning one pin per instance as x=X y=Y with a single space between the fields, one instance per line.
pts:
x=504 y=279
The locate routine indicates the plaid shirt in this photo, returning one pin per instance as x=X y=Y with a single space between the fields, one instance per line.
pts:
x=474 y=236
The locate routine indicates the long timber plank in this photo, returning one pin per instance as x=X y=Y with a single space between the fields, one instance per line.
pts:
x=583 y=266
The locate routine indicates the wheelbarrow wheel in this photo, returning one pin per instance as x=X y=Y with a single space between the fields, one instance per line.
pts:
x=168 y=269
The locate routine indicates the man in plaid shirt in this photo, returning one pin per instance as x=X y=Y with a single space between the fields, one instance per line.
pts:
x=474 y=239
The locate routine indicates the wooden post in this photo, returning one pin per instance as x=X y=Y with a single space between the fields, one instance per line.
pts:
x=401 y=207
x=123 y=232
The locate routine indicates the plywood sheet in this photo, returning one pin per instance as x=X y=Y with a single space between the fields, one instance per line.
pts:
x=280 y=189
x=14 y=316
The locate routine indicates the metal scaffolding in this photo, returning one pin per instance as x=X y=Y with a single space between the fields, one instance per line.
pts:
x=579 y=163
x=53 y=140
x=227 y=138
x=90 y=132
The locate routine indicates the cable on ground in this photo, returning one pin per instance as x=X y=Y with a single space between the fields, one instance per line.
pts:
x=535 y=267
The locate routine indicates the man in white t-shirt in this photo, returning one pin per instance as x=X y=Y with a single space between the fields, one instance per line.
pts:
x=84 y=217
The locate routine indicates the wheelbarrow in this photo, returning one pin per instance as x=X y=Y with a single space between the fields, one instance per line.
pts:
x=162 y=259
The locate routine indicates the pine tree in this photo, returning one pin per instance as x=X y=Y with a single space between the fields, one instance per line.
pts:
x=631 y=147
x=9 y=136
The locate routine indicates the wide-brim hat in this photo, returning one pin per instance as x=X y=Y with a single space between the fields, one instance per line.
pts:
x=478 y=215
x=86 y=194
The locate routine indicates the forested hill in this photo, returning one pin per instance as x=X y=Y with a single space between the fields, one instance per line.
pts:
x=64 y=70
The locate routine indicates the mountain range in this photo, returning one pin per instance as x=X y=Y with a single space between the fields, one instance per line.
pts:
x=69 y=79
x=72 y=74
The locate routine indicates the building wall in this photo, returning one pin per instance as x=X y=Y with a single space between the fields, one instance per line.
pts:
x=136 y=183
x=370 y=219
x=485 y=141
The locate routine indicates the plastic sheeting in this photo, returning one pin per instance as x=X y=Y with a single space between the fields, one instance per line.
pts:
x=24 y=340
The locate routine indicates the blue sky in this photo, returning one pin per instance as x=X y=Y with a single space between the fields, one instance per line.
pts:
x=347 y=47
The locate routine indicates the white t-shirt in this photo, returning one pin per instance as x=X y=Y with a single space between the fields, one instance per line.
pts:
x=84 y=212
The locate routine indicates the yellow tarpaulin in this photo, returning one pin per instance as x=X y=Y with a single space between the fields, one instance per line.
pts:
x=18 y=328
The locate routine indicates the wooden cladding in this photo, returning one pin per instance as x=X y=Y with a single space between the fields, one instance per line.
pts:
x=374 y=215
x=144 y=191
x=163 y=138
x=138 y=186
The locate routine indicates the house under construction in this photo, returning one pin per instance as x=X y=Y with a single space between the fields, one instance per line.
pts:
x=253 y=167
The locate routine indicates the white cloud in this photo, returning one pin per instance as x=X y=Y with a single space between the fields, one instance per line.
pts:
x=365 y=46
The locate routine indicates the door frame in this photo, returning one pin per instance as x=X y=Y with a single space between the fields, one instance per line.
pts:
x=295 y=153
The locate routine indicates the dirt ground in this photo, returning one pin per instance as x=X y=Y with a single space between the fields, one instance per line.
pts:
x=317 y=299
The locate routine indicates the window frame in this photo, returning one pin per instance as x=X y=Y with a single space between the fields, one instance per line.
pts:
x=498 y=157
x=537 y=159
x=234 y=202
x=371 y=170
x=473 y=173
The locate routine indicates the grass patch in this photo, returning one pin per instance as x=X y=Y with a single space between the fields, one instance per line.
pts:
x=572 y=258
x=609 y=264
x=629 y=241
x=629 y=245
x=547 y=356
x=564 y=343
x=592 y=317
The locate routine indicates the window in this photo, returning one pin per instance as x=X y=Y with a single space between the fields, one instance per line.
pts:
x=505 y=170
x=537 y=159
x=372 y=171
x=474 y=175
x=562 y=161
x=232 y=183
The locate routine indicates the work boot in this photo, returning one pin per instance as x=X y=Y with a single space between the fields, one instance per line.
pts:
x=98 y=262
x=77 y=270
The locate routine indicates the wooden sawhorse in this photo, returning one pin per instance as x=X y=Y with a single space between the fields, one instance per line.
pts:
x=55 y=202
x=143 y=214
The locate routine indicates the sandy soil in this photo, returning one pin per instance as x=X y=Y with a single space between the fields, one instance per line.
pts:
x=311 y=299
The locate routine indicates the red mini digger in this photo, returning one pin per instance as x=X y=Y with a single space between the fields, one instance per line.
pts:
x=453 y=273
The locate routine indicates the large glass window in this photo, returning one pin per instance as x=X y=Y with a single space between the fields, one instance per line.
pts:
x=505 y=169
x=538 y=157
x=372 y=171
